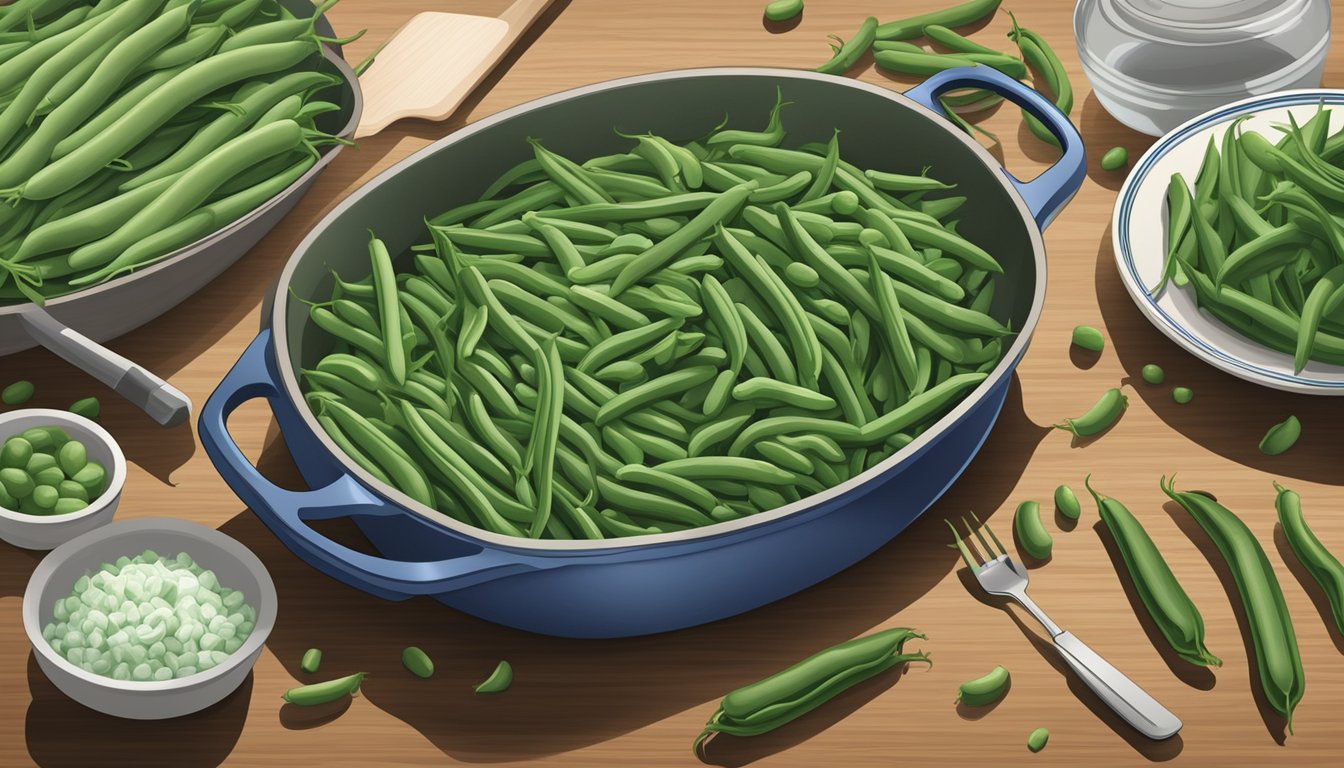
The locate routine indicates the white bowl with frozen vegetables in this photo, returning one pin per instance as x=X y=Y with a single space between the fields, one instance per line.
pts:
x=61 y=475
x=1244 y=318
x=149 y=619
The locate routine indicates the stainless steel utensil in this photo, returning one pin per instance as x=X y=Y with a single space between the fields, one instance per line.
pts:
x=1000 y=575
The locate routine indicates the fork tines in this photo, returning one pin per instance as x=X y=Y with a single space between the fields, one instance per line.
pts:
x=969 y=554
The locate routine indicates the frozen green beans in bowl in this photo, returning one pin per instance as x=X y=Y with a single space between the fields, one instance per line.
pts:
x=692 y=330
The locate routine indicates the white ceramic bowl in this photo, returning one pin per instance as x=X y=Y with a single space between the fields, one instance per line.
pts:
x=236 y=567
x=1139 y=238
x=45 y=532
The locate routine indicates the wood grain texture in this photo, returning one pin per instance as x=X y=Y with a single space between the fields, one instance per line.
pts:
x=641 y=701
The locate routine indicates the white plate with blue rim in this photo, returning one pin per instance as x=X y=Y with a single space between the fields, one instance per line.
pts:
x=1139 y=239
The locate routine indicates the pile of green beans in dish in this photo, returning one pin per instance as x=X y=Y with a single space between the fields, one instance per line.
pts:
x=131 y=129
x=658 y=339
x=1258 y=241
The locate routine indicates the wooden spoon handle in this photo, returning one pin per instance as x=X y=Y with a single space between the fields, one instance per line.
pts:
x=430 y=65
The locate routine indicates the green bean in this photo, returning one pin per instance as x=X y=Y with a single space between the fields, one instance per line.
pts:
x=1271 y=629
x=1100 y=416
x=498 y=681
x=389 y=319
x=1114 y=159
x=417 y=662
x=918 y=408
x=924 y=63
x=323 y=693
x=1038 y=53
x=568 y=176
x=398 y=466
x=718 y=211
x=312 y=659
x=849 y=51
x=1067 y=503
x=1324 y=567
x=108 y=256
x=984 y=690
x=1170 y=607
x=156 y=108
x=656 y=478
x=945 y=37
x=1089 y=338
x=781 y=301
x=129 y=47
x=785 y=696
x=1031 y=535
x=771 y=390
x=954 y=16
x=783 y=10
x=17 y=393
x=1037 y=739
x=652 y=391
x=1281 y=437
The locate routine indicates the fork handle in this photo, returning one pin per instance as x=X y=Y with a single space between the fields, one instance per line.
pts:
x=1121 y=694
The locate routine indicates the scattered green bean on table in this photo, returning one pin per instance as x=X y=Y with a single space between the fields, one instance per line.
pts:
x=1281 y=437
x=785 y=696
x=1171 y=609
x=1277 y=661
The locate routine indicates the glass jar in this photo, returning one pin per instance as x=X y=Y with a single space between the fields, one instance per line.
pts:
x=1154 y=64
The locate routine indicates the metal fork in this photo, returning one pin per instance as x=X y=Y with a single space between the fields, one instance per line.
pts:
x=1001 y=576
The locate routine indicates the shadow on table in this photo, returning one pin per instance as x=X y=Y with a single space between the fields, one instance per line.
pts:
x=633 y=681
x=1153 y=751
x=61 y=732
x=16 y=566
x=1094 y=120
x=1275 y=724
x=1228 y=415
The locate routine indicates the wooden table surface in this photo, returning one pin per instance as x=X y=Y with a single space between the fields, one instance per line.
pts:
x=641 y=701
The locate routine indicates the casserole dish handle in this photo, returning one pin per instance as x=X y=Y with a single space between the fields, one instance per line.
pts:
x=1048 y=193
x=285 y=511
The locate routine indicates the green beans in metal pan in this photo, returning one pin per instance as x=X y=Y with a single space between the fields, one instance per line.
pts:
x=673 y=359
x=112 y=107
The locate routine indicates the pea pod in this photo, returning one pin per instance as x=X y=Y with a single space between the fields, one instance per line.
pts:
x=1324 y=567
x=1100 y=416
x=1277 y=661
x=1170 y=607
x=785 y=696
x=322 y=693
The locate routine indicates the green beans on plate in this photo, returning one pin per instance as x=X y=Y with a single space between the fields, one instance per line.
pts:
x=1277 y=661
x=1323 y=566
x=1167 y=603
x=680 y=355
x=134 y=129
x=785 y=696
x=1257 y=242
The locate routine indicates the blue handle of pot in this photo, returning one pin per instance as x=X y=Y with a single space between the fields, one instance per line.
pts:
x=1049 y=192
x=285 y=511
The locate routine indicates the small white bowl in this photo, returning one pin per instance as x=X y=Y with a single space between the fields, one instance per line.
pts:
x=1139 y=237
x=236 y=567
x=47 y=531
